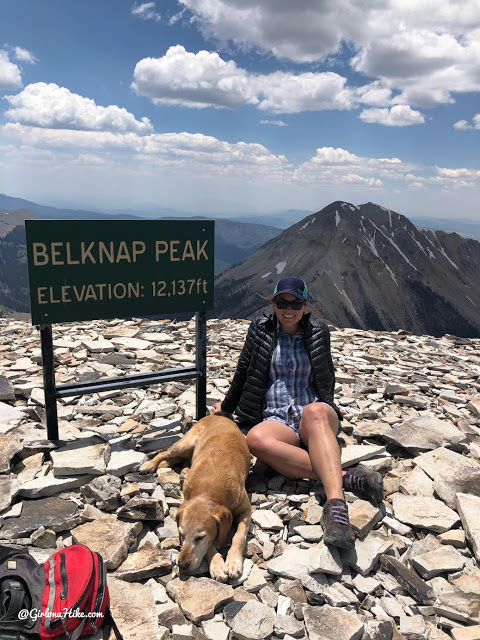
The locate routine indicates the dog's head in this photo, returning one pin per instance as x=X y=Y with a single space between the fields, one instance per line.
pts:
x=200 y=521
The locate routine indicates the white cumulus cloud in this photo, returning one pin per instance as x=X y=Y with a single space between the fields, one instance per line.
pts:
x=288 y=93
x=182 y=150
x=464 y=124
x=333 y=156
x=48 y=105
x=456 y=178
x=331 y=166
x=204 y=79
x=401 y=115
x=193 y=79
x=425 y=50
x=10 y=75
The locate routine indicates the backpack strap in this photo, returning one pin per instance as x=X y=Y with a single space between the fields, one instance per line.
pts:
x=12 y=598
x=110 y=621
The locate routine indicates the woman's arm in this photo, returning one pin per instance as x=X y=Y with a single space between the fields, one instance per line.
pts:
x=233 y=396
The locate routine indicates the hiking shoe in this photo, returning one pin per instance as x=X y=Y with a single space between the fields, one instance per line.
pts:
x=367 y=483
x=337 y=529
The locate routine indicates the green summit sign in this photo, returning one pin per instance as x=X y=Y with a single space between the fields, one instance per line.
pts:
x=100 y=269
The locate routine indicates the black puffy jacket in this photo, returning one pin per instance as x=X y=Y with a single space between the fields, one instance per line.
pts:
x=247 y=394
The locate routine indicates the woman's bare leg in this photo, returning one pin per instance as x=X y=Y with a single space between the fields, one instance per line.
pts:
x=278 y=446
x=318 y=428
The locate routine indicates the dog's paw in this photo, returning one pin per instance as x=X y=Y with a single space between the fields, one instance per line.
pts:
x=218 y=569
x=234 y=566
x=148 y=467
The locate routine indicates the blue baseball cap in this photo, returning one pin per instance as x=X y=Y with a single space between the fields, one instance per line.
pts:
x=295 y=286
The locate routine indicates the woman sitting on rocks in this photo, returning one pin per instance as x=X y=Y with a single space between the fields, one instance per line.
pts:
x=282 y=391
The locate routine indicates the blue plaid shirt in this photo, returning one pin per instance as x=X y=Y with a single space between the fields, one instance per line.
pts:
x=290 y=386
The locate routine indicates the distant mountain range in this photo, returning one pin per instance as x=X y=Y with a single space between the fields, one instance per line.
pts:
x=463 y=226
x=277 y=219
x=234 y=240
x=13 y=271
x=366 y=267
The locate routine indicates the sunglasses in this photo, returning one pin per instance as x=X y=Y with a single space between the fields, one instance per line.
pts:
x=296 y=305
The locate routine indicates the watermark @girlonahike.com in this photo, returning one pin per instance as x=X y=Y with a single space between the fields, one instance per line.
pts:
x=34 y=614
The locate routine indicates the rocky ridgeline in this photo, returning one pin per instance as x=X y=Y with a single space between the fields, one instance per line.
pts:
x=412 y=412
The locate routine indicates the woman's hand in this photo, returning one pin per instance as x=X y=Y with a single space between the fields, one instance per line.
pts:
x=217 y=407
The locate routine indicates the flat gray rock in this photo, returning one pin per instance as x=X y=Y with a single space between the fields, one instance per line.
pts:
x=28 y=468
x=465 y=480
x=417 y=483
x=139 y=508
x=9 y=446
x=412 y=627
x=123 y=461
x=354 y=453
x=132 y=606
x=98 y=346
x=87 y=456
x=444 y=462
x=254 y=621
x=292 y=563
x=49 y=485
x=331 y=623
x=198 y=598
x=288 y=625
x=9 y=417
x=131 y=343
x=168 y=529
x=367 y=552
x=109 y=536
x=424 y=434
x=363 y=516
x=469 y=510
x=215 y=630
x=267 y=519
x=7 y=391
x=445 y=559
x=423 y=512
x=325 y=559
x=310 y=532
x=147 y=562
x=8 y=491
x=53 y=513
x=458 y=605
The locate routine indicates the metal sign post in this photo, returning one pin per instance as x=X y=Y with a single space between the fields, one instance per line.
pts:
x=90 y=270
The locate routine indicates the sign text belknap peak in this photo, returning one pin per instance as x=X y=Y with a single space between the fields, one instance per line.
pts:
x=61 y=253
x=92 y=269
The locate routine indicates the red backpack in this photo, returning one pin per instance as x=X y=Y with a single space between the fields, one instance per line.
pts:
x=76 y=599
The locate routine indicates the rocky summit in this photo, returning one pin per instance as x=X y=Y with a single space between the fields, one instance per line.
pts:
x=412 y=412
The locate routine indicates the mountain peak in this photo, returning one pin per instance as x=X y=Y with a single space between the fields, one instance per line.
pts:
x=367 y=267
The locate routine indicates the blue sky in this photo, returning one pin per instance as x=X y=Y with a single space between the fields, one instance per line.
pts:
x=235 y=106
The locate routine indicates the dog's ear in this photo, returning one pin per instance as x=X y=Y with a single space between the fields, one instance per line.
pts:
x=178 y=514
x=224 y=519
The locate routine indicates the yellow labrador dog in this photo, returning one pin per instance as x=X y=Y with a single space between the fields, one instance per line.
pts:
x=214 y=493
